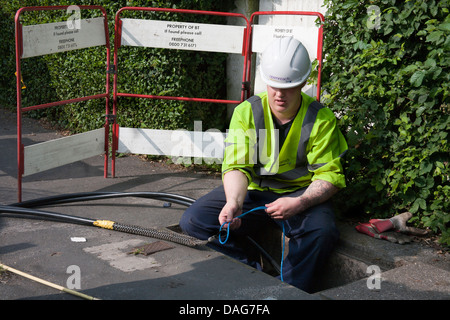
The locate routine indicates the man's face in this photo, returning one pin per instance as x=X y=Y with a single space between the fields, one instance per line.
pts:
x=284 y=103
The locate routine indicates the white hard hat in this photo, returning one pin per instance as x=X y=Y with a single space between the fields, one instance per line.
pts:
x=285 y=63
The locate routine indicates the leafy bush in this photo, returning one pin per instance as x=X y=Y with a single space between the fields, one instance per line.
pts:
x=386 y=75
x=79 y=73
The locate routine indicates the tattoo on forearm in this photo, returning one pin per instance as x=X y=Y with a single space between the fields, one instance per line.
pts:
x=318 y=192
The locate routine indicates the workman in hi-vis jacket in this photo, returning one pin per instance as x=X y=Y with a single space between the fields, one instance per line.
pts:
x=284 y=152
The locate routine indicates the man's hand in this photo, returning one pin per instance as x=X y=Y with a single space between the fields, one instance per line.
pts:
x=235 y=185
x=284 y=208
x=318 y=192
x=228 y=214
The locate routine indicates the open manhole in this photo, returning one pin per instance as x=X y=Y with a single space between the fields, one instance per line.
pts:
x=341 y=269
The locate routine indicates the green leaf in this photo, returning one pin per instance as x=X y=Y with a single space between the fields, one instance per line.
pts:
x=425 y=167
x=417 y=78
x=430 y=63
x=409 y=68
x=418 y=203
x=435 y=36
x=444 y=26
x=420 y=110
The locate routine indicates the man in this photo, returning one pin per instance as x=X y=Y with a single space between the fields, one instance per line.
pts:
x=283 y=151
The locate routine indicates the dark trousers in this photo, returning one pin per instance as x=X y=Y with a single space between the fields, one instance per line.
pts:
x=312 y=234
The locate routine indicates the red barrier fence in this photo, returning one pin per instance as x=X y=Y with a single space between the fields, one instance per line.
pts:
x=243 y=39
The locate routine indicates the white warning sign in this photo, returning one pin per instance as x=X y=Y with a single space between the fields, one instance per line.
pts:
x=262 y=35
x=182 y=35
x=56 y=37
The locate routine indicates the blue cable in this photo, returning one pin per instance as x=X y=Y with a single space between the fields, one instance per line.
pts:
x=245 y=213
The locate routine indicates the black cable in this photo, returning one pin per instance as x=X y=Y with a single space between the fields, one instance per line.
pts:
x=87 y=196
x=25 y=208
x=46 y=214
x=266 y=255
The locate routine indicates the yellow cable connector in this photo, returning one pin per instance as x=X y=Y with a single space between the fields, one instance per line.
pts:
x=21 y=80
x=106 y=224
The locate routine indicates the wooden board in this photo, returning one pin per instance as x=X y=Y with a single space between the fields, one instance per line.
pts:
x=179 y=143
x=55 y=153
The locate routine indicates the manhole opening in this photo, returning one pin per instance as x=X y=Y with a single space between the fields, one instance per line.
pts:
x=341 y=269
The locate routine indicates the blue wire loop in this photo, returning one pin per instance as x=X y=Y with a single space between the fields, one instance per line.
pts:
x=240 y=216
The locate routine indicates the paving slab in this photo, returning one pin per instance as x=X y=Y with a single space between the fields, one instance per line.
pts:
x=414 y=281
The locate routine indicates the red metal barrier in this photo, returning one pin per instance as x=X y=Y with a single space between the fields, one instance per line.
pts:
x=20 y=109
x=246 y=51
x=118 y=43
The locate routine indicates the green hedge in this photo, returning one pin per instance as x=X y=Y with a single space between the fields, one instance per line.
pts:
x=386 y=75
x=142 y=70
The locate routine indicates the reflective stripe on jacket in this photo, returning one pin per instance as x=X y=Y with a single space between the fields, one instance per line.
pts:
x=313 y=148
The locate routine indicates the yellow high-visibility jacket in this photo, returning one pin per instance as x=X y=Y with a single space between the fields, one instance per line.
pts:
x=313 y=149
